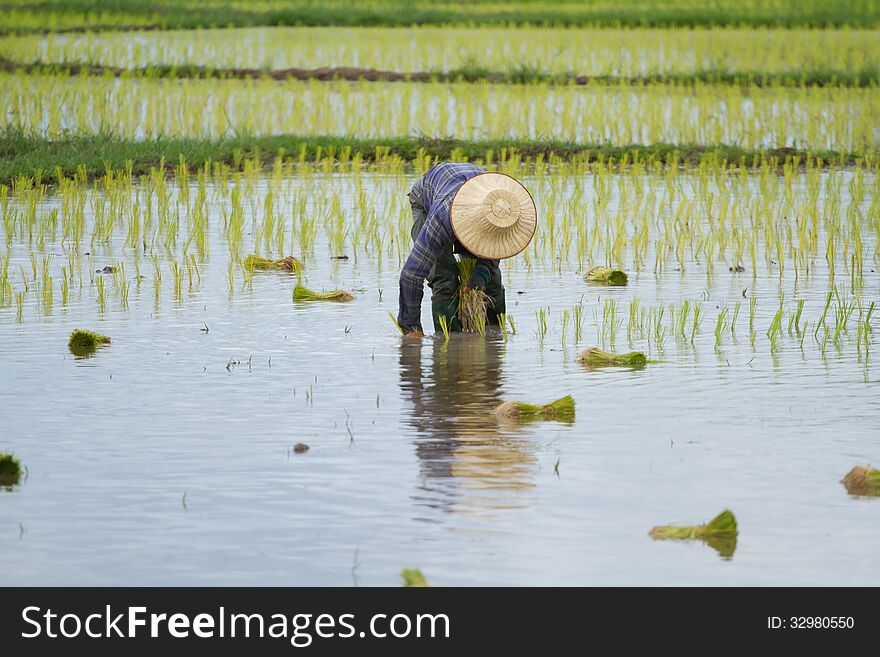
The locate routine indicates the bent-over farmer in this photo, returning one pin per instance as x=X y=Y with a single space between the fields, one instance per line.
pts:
x=461 y=209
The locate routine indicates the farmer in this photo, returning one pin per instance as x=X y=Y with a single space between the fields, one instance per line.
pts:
x=460 y=208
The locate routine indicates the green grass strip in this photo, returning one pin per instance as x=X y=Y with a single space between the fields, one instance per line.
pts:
x=867 y=76
x=28 y=155
x=70 y=15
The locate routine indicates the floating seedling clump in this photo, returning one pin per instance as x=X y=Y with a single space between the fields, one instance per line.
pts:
x=288 y=263
x=606 y=276
x=595 y=357
x=10 y=470
x=472 y=302
x=862 y=481
x=86 y=342
x=301 y=293
x=561 y=409
x=719 y=533
x=413 y=578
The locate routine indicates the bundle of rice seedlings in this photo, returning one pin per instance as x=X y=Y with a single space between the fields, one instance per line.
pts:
x=301 y=293
x=862 y=481
x=595 y=357
x=10 y=470
x=85 y=342
x=471 y=303
x=719 y=533
x=562 y=408
x=288 y=263
x=413 y=578
x=606 y=275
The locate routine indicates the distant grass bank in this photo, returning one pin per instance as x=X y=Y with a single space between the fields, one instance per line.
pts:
x=864 y=77
x=25 y=155
x=78 y=15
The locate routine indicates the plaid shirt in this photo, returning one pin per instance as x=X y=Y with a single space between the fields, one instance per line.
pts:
x=434 y=192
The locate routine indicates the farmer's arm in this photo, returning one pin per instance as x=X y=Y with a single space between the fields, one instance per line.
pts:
x=432 y=239
x=483 y=273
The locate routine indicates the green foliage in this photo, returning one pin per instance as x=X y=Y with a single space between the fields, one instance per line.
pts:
x=560 y=409
x=84 y=342
x=413 y=578
x=863 y=481
x=188 y=14
x=301 y=293
x=22 y=154
x=10 y=470
x=595 y=357
x=720 y=533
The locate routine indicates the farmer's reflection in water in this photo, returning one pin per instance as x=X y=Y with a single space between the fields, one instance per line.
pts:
x=468 y=459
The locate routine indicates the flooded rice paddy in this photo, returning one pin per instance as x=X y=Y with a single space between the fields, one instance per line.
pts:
x=167 y=456
x=600 y=51
x=843 y=119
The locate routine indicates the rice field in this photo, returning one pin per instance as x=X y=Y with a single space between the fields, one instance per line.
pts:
x=844 y=119
x=63 y=15
x=593 y=52
x=198 y=351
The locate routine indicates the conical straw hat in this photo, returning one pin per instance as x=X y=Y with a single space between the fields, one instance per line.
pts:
x=493 y=216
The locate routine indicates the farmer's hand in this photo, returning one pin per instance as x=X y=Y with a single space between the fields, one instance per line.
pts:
x=414 y=334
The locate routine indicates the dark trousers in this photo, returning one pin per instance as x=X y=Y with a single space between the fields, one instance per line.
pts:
x=444 y=283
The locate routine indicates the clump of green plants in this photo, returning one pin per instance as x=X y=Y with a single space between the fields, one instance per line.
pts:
x=595 y=357
x=472 y=302
x=719 y=533
x=862 y=481
x=85 y=342
x=301 y=293
x=10 y=470
x=561 y=409
x=288 y=263
x=413 y=578
x=606 y=275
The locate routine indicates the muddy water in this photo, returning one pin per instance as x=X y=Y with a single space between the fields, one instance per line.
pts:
x=166 y=457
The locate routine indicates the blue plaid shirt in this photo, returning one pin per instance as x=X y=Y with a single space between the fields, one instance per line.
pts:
x=434 y=191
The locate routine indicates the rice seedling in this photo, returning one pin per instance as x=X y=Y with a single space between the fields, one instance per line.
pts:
x=413 y=578
x=862 y=481
x=821 y=322
x=288 y=263
x=10 y=470
x=606 y=275
x=565 y=319
x=396 y=325
x=698 y=315
x=578 y=321
x=84 y=342
x=719 y=533
x=736 y=310
x=541 y=319
x=102 y=300
x=301 y=293
x=659 y=328
x=720 y=326
x=560 y=409
x=595 y=357
x=472 y=302
x=794 y=319
x=177 y=279
x=444 y=326
x=775 y=329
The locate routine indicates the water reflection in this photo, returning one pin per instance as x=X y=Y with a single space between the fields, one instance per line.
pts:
x=468 y=460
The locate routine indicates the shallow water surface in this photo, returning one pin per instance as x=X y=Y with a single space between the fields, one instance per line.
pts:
x=166 y=457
